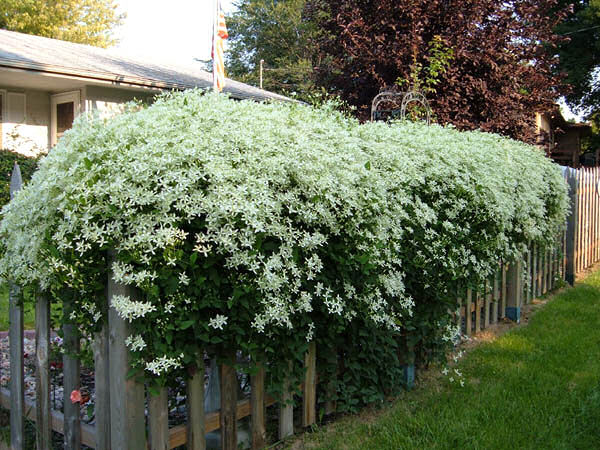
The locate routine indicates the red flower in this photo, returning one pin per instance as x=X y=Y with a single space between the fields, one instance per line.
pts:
x=75 y=396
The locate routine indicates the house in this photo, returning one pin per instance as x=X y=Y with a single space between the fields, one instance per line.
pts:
x=562 y=140
x=46 y=83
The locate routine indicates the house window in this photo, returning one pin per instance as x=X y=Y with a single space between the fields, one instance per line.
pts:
x=65 y=114
x=64 y=108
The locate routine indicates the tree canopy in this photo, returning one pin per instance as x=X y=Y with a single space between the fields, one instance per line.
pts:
x=580 y=55
x=82 y=21
x=277 y=32
x=502 y=66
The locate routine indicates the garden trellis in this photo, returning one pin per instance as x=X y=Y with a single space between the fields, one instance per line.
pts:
x=294 y=241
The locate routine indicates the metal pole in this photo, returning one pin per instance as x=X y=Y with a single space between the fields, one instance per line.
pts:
x=262 y=61
x=214 y=42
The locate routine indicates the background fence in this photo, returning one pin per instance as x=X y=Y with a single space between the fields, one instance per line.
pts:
x=128 y=417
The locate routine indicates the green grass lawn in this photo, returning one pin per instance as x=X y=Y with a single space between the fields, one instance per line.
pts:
x=28 y=318
x=536 y=387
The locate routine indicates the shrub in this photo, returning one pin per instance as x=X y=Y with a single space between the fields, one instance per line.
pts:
x=264 y=226
x=7 y=161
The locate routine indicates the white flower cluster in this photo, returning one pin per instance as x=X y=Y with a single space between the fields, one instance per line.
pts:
x=135 y=343
x=218 y=322
x=451 y=333
x=163 y=364
x=131 y=309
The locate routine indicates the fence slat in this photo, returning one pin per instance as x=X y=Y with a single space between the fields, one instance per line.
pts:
x=196 y=439
x=572 y=229
x=488 y=301
x=544 y=266
x=15 y=338
x=468 y=317
x=514 y=292
x=257 y=404
x=579 y=220
x=127 y=412
x=554 y=274
x=229 y=387
x=503 y=292
x=477 y=312
x=309 y=398
x=496 y=297
x=528 y=285
x=595 y=216
x=17 y=397
x=535 y=267
x=158 y=420
x=547 y=269
x=71 y=368
x=102 y=387
x=43 y=430
x=286 y=410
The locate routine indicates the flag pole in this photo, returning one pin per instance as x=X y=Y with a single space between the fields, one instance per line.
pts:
x=214 y=42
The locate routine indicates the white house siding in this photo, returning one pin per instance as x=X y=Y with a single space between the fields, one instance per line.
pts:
x=25 y=133
x=110 y=101
x=28 y=133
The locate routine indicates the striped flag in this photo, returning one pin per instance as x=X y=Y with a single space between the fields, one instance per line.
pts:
x=220 y=34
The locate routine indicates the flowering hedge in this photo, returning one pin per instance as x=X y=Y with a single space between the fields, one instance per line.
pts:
x=264 y=226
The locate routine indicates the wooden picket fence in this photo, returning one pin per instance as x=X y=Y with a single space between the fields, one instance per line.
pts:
x=120 y=406
x=512 y=286
x=121 y=421
x=587 y=205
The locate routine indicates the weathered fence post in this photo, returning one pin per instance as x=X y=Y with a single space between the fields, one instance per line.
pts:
x=309 y=397
x=196 y=439
x=496 y=298
x=127 y=415
x=535 y=267
x=572 y=228
x=286 y=408
x=229 y=388
x=488 y=301
x=15 y=336
x=468 y=317
x=528 y=285
x=257 y=405
x=71 y=368
x=43 y=434
x=514 y=292
x=477 y=312
x=158 y=420
x=102 y=387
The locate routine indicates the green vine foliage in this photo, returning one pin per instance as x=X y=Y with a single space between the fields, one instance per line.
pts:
x=424 y=79
x=262 y=227
x=439 y=57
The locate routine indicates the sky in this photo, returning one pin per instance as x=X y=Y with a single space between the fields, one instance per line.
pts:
x=171 y=31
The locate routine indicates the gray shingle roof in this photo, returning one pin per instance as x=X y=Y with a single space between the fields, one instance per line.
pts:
x=41 y=54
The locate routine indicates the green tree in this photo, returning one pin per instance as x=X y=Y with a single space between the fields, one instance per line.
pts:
x=276 y=32
x=82 y=21
x=580 y=55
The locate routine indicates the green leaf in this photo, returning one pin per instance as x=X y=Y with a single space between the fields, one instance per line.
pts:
x=186 y=324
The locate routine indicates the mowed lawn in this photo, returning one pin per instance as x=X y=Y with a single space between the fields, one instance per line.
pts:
x=28 y=316
x=536 y=387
